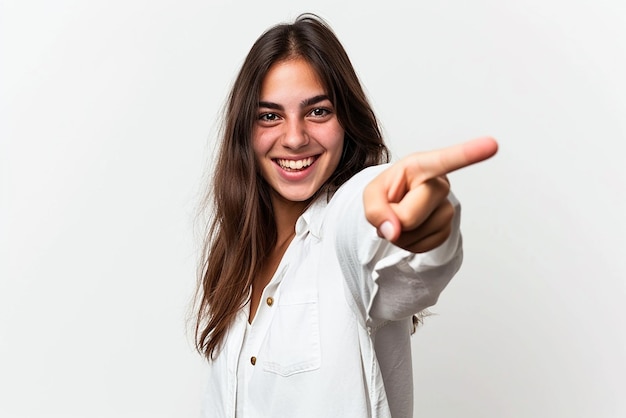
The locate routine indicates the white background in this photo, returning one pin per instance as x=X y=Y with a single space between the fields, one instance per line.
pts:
x=108 y=116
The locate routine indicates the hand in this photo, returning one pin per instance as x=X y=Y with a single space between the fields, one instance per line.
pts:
x=408 y=202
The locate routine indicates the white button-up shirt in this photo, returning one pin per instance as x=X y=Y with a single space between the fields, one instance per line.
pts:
x=331 y=337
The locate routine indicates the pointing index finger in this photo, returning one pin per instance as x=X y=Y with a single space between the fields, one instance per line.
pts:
x=446 y=160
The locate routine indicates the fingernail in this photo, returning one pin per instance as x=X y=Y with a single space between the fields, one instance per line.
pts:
x=386 y=228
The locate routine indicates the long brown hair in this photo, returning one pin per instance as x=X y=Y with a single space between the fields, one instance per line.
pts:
x=243 y=231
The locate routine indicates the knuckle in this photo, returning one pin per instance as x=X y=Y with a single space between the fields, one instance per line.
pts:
x=447 y=212
x=444 y=185
x=406 y=219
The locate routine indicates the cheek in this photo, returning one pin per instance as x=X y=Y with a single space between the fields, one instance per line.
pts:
x=259 y=145
x=330 y=137
x=259 y=150
x=339 y=144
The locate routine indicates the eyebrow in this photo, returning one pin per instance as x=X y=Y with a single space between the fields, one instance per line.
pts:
x=306 y=102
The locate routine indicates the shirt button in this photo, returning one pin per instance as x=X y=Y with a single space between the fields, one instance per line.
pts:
x=253 y=360
x=270 y=301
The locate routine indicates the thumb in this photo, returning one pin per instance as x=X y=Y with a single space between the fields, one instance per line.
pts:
x=389 y=230
x=379 y=212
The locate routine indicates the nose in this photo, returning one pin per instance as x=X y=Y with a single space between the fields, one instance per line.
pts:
x=295 y=135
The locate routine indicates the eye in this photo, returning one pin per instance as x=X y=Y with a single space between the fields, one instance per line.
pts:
x=268 y=117
x=319 y=112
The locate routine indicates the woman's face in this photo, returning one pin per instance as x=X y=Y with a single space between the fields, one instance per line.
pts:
x=297 y=138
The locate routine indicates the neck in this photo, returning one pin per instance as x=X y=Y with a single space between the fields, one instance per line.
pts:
x=286 y=213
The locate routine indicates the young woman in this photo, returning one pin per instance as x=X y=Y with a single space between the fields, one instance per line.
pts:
x=319 y=254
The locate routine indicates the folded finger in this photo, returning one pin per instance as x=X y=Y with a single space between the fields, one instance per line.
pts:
x=420 y=202
x=437 y=224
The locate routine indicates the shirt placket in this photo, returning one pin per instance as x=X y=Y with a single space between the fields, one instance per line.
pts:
x=235 y=343
x=258 y=330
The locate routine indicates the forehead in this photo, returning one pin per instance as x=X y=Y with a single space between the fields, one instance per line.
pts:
x=291 y=78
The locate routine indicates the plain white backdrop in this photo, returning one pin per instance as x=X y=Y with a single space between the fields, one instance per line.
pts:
x=108 y=114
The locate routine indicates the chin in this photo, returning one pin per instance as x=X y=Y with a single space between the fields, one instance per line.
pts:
x=302 y=196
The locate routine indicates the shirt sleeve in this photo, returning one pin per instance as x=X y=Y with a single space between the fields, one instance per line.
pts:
x=385 y=282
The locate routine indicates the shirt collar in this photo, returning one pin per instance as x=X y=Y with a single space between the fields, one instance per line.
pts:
x=312 y=218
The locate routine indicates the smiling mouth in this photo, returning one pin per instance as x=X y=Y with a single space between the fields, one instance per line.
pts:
x=295 y=165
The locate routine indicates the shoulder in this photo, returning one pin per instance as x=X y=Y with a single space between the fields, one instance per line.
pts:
x=356 y=184
x=367 y=174
x=343 y=208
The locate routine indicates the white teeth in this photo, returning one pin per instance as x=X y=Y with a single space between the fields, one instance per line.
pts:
x=295 y=164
